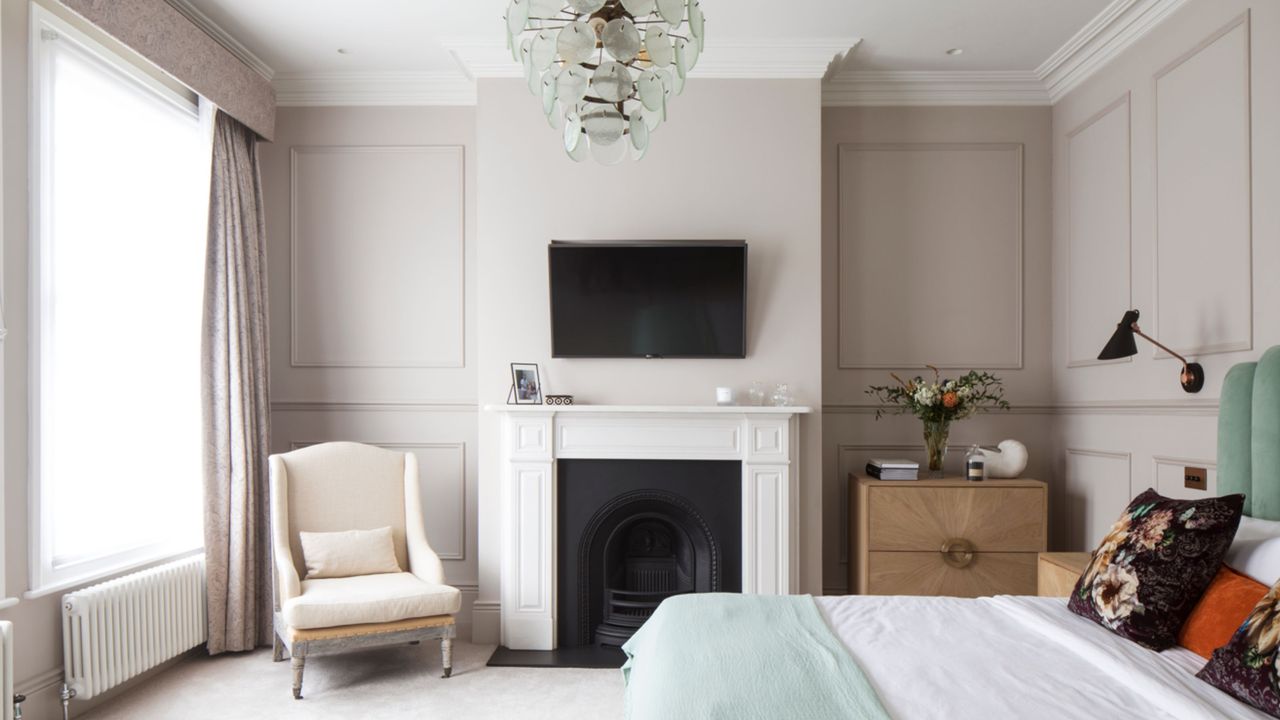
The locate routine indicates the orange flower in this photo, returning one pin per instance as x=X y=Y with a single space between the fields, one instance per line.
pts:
x=950 y=400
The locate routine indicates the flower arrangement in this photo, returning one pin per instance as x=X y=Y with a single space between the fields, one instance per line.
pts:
x=940 y=403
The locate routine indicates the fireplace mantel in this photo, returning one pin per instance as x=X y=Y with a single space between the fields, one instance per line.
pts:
x=764 y=439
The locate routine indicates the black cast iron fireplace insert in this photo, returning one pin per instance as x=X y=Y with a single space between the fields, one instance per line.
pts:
x=635 y=532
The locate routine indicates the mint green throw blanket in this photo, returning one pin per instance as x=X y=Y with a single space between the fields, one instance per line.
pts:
x=712 y=656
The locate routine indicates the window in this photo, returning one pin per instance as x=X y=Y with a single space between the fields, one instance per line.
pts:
x=120 y=189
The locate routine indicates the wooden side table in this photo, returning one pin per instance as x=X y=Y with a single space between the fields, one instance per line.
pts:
x=1057 y=573
x=946 y=537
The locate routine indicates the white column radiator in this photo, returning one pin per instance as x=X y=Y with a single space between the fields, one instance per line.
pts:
x=6 y=671
x=113 y=631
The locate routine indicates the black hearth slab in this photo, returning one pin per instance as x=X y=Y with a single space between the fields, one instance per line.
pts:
x=587 y=657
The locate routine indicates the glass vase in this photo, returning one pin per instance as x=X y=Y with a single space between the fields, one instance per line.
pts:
x=936 y=433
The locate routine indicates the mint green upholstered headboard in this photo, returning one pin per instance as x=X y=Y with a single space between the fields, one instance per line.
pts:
x=1249 y=435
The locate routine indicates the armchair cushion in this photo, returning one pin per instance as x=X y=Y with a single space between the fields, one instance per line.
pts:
x=365 y=599
x=349 y=553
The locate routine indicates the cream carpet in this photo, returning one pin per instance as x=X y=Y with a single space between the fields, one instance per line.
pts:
x=400 y=682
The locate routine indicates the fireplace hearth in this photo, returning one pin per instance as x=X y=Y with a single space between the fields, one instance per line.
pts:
x=635 y=532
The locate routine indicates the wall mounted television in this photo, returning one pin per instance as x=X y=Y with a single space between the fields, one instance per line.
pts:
x=648 y=299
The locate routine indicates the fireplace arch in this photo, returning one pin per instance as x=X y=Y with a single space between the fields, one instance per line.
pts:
x=638 y=549
x=634 y=532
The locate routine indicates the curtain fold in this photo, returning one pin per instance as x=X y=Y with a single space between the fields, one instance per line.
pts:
x=235 y=395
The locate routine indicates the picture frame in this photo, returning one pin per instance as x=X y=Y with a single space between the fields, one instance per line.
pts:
x=526 y=384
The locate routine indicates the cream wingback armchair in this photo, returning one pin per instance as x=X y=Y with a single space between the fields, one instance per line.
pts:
x=343 y=487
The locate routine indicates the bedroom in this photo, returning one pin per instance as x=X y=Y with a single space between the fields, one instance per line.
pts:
x=985 y=185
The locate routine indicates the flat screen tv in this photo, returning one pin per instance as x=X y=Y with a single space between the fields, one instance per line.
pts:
x=649 y=300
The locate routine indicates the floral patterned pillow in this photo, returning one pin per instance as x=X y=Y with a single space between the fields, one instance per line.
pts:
x=1245 y=668
x=1151 y=569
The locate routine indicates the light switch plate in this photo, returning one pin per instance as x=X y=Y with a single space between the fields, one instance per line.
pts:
x=1196 y=478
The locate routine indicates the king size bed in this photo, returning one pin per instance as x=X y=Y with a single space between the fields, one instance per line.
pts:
x=918 y=658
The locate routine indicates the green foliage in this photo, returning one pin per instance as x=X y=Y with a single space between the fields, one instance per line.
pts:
x=941 y=401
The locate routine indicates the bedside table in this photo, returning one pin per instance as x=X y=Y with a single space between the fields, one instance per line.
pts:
x=1057 y=573
x=946 y=537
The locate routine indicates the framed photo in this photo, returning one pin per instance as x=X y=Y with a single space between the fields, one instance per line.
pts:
x=526 y=386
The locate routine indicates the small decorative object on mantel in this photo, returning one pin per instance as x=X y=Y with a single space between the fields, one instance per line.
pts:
x=940 y=403
x=1008 y=460
x=526 y=387
x=559 y=399
x=782 y=396
x=724 y=396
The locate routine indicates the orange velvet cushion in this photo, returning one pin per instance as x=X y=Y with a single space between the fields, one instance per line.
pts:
x=1223 y=607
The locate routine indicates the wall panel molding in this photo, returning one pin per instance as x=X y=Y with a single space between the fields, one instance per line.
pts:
x=1083 y=487
x=398 y=342
x=460 y=537
x=412 y=406
x=1176 y=487
x=1086 y=227
x=1194 y=408
x=1204 y=188
x=955 y=170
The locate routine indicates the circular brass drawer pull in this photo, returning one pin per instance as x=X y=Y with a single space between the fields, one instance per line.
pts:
x=957 y=552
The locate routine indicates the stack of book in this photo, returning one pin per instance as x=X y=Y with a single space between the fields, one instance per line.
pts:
x=893 y=469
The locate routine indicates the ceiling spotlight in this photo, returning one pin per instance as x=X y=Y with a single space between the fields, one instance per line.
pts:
x=955 y=51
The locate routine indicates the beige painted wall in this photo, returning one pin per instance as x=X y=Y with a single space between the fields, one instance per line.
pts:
x=936 y=241
x=738 y=160
x=1166 y=166
x=370 y=234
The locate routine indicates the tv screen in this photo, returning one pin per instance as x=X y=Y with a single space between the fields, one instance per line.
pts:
x=650 y=300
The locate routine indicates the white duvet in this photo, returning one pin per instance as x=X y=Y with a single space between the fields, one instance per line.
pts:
x=1015 y=657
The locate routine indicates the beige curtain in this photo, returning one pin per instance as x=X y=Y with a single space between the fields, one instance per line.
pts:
x=236 y=409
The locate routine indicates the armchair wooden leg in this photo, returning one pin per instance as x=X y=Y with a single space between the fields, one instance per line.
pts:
x=277 y=648
x=446 y=655
x=299 y=662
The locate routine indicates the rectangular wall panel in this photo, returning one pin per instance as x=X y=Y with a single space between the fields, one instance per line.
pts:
x=1099 y=285
x=1170 y=478
x=1204 y=244
x=442 y=472
x=930 y=256
x=377 y=266
x=1096 y=491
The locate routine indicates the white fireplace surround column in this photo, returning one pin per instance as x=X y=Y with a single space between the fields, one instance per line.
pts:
x=764 y=439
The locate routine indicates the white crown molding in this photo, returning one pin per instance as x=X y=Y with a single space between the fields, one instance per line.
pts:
x=381 y=88
x=1121 y=24
x=223 y=38
x=738 y=59
x=1114 y=30
x=912 y=88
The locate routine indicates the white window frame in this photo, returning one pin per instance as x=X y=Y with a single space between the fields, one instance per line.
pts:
x=46 y=30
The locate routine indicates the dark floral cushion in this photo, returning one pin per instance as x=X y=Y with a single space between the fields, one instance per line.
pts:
x=1151 y=569
x=1246 y=667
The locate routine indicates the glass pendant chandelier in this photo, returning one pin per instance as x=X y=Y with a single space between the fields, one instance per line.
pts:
x=605 y=69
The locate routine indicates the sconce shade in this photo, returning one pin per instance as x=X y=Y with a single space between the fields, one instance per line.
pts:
x=1122 y=344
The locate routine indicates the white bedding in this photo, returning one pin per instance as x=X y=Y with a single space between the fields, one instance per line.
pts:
x=1016 y=657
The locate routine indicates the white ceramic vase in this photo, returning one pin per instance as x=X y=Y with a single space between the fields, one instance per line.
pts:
x=1010 y=462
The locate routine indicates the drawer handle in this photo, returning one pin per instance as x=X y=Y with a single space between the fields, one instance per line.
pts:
x=957 y=552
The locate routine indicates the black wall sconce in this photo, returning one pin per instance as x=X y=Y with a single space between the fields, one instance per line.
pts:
x=1122 y=345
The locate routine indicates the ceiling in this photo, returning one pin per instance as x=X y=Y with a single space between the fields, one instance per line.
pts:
x=302 y=37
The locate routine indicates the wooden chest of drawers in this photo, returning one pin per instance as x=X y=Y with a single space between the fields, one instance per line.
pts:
x=946 y=537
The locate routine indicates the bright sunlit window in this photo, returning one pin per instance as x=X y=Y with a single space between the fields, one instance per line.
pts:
x=120 y=178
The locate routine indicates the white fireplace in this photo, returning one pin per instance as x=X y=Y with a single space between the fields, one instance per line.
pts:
x=765 y=440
